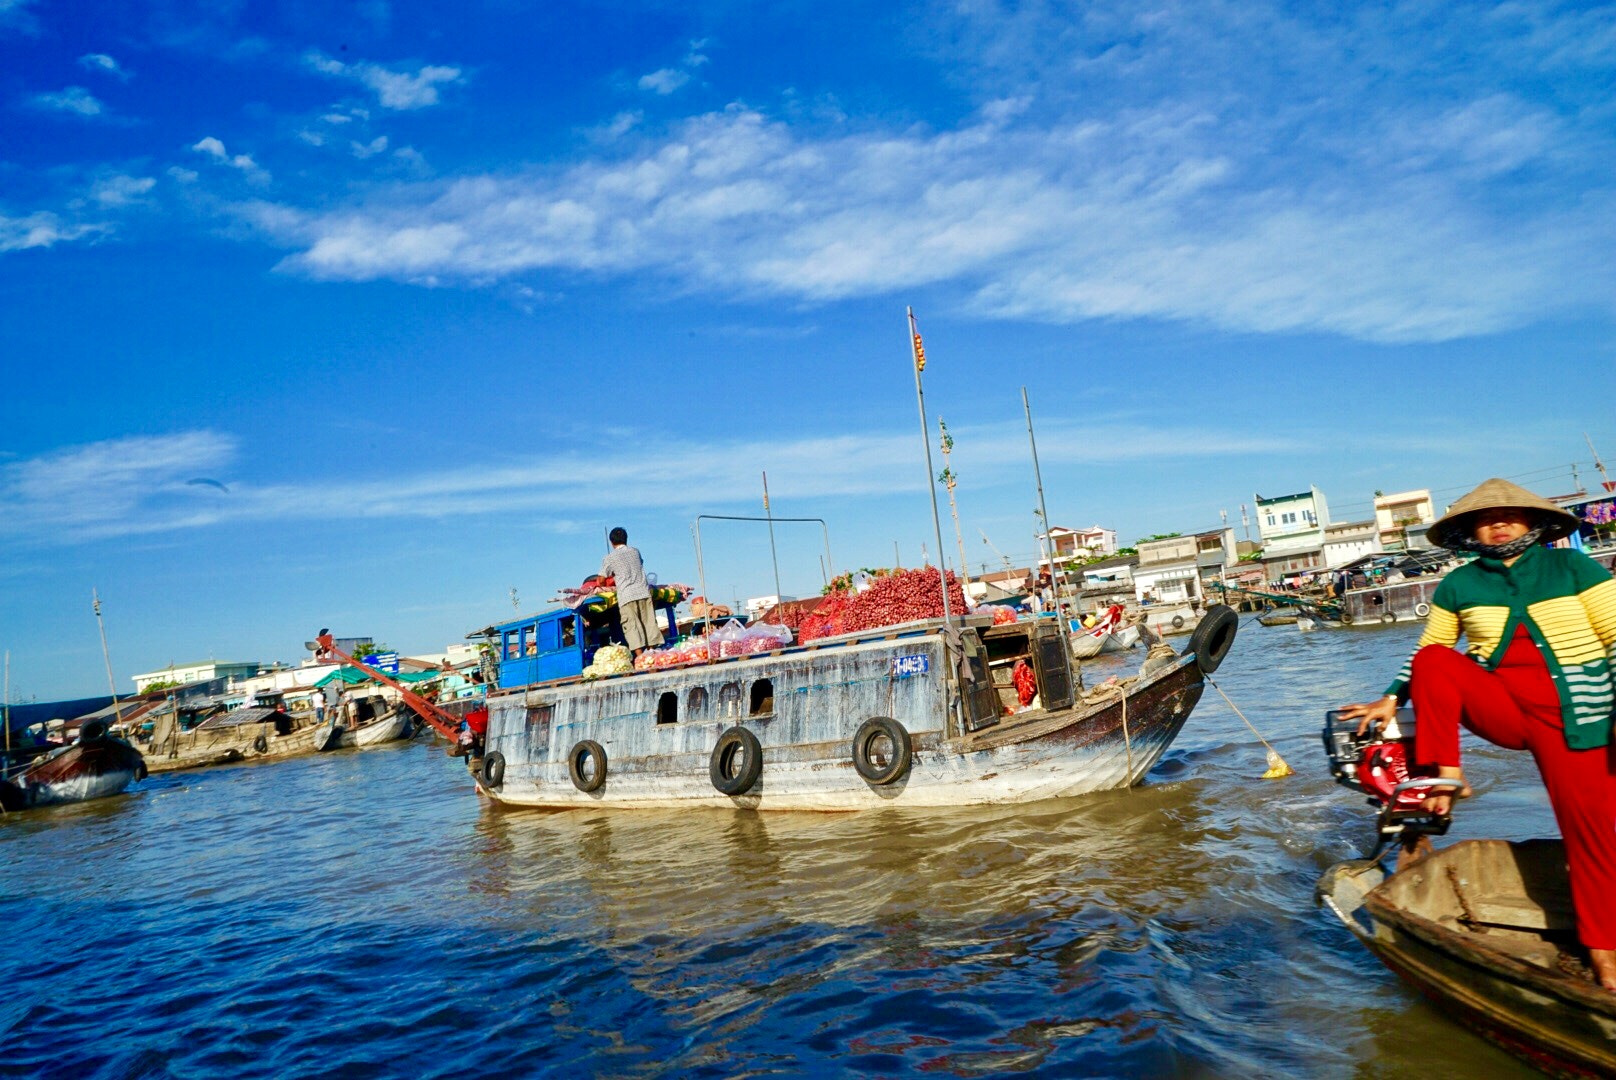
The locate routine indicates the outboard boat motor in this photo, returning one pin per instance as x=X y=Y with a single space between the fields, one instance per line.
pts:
x=1377 y=764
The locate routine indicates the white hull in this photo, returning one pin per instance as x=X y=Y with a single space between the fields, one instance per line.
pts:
x=1087 y=643
x=80 y=788
x=389 y=728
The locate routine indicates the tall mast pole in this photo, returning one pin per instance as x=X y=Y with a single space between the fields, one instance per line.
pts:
x=7 y=704
x=95 y=598
x=919 y=353
x=772 y=554
x=951 y=481
x=1604 y=477
x=1043 y=512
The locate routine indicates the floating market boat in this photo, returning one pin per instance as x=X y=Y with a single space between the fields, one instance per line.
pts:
x=225 y=737
x=98 y=764
x=1484 y=929
x=376 y=724
x=919 y=714
x=1111 y=635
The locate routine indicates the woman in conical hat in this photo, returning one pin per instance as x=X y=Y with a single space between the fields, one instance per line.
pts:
x=1540 y=628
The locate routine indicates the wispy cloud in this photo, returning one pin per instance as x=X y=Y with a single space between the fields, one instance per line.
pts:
x=394 y=89
x=213 y=148
x=1131 y=217
x=74 y=100
x=42 y=229
x=16 y=16
x=104 y=64
x=138 y=485
x=121 y=190
x=666 y=80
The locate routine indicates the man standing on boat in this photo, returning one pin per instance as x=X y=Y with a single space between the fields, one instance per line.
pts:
x=634 y=607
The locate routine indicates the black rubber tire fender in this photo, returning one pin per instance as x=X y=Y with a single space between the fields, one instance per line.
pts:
x=1213 y=637
x=1346 y=618
x=1178 y=622
x=261 y=744
x=1422 y=610
x=902 y=751
x=493 y=772
x=736 y=741
x=1387 y=619
x=92 y=730
x=582 y=751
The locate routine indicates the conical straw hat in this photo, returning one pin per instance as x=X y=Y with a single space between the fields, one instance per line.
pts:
x=1492 y=494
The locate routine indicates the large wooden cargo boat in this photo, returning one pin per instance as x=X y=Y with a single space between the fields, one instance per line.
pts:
x=924 y=714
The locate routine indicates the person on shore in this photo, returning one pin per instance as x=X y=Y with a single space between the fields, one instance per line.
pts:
x=1541 y=626
x=634 y=607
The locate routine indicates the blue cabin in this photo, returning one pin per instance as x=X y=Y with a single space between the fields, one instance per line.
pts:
x=559 y=644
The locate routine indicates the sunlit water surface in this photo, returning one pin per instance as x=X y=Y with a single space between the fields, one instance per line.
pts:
x=366 y=912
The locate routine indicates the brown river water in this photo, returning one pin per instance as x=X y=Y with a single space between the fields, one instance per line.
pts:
x=366 y=913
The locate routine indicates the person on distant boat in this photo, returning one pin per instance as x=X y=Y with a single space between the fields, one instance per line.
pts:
x=634 y=607
x=1541 y=626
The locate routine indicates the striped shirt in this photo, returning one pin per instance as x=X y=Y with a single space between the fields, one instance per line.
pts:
x=1566 y=601
x=624 y=564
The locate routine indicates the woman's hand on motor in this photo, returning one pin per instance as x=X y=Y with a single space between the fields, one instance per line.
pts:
x=1371 y=713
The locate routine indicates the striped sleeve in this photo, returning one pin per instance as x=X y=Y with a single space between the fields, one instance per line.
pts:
x=1600 y=603
x=1441 y=628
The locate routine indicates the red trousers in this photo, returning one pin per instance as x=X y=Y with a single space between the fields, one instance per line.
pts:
x=1516 y=707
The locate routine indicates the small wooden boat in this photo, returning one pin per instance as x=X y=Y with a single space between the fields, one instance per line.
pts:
x=95 y=766
x=1278 y=618
x=389 y=727
x=1111 y=635
x=1484 y=930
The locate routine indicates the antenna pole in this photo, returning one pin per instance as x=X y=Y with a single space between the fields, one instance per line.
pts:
x=95 y=599
x=931 y=486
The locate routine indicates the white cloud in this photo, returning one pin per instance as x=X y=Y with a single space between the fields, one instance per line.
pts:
x=121 y=190
x=74 y=99
x=400 y=90
x=243 y=163
x=664 y=81
x=104 y=64
x=370 y=149
x=15 y=15
x=41 y=230
x=184 y=176
x=1064 y=222
x=139 y=484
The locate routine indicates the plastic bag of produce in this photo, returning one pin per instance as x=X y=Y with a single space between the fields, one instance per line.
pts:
x=726 y=640
x=768 y=636
x=1001 y=613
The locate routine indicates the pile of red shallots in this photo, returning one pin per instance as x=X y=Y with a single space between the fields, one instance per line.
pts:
x=900 y=597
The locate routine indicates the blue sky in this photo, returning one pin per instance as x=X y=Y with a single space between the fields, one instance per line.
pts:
x=440 y=292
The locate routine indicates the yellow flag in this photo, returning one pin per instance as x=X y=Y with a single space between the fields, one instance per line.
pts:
x=920 y=353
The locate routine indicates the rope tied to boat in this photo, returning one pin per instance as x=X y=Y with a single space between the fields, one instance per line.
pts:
x=1277 y=766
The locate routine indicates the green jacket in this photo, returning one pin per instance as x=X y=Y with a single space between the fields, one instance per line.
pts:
x=1566 y=601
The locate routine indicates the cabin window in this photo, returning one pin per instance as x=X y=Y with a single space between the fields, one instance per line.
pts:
x=696 y=703
x=569 y=631
x=513 y=646
x=530 y=641
x=729 y=700
x=762 y=697
x=667 y=708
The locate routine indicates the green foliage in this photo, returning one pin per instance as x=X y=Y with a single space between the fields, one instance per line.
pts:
x=1252 y=556
x=161 y=684
x=1157 y=536
x=1127 y=551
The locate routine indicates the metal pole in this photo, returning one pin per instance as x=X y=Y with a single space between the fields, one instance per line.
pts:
x=897 y=560
x=701 y=576
x=1043 y=512
x=829 y=566
x=7 y=704
x=773 y=555
x=105 y=655
x=925 y=440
